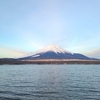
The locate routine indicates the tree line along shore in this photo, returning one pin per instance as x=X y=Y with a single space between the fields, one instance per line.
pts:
x=53 y=61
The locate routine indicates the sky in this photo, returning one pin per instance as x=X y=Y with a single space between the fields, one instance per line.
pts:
x=29 y=25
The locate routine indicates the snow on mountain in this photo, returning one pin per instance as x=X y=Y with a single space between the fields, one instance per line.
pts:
x=53 y=48
x=49 y=48
x=53 y=52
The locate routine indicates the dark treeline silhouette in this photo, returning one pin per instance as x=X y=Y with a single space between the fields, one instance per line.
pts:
x=14 y=61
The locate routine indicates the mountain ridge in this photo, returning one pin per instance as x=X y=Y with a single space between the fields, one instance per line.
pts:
x=54 y=52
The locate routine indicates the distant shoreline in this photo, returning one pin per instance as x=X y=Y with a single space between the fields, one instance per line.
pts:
x=48 y=61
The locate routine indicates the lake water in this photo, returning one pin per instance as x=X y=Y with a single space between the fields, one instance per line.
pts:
x=49 y=82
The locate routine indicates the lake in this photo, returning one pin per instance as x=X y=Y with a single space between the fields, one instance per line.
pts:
x=50 y=82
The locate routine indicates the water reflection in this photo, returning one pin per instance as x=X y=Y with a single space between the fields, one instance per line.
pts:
x=49 y=82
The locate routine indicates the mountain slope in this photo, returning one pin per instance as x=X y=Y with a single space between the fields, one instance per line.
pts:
x=53 y=52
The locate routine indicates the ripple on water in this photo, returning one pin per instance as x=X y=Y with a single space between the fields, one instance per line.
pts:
x=50 y=82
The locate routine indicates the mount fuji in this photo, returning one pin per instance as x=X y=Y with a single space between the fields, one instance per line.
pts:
x=54 y=52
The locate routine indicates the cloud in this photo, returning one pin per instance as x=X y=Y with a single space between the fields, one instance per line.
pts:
x=94 y=53
x=7 y=52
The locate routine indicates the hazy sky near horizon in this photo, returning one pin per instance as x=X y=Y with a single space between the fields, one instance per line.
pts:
x=29 y=25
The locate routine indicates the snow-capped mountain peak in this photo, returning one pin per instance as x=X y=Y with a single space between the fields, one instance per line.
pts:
x=53 y=52
x=53 y=48
x=50 y=48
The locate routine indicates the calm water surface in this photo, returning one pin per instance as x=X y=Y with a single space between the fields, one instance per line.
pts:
x=49 y=82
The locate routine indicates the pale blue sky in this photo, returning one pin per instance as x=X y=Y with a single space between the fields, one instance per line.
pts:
x=28 y=25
